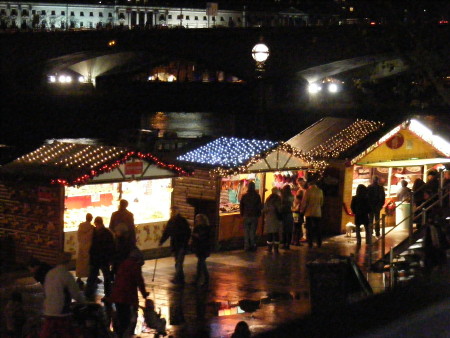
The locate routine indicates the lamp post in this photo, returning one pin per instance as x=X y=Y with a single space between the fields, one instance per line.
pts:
x=260 y=54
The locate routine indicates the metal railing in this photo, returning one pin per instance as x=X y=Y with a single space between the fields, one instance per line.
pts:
x=421 y=211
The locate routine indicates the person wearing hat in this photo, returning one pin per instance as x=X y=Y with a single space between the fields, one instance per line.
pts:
x=60 y=288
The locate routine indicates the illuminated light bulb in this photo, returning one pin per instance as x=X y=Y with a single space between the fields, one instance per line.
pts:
x=314 y=88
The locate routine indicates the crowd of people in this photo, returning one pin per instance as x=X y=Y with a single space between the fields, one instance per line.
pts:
x=112 y=251
x=285 y=213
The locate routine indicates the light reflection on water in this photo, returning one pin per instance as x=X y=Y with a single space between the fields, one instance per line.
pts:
x=191 y=124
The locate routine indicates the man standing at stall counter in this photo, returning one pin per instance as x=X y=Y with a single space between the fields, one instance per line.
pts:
x=122 y=221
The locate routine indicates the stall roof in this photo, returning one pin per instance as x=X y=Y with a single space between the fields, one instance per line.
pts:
x=352 y=139
x=75 y=163
x=231 y=155
x=333 y=137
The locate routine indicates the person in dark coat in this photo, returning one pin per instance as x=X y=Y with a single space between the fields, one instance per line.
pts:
x=287 y=200
x=101 y=256
x=123 y=220
x=361 y=209
x=125 y=292
x=419 y=198
x=377 y=196
x=201 y=246
x=250 y=208
x=178 y=230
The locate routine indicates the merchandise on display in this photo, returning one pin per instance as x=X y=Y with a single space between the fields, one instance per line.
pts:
x=149 y=201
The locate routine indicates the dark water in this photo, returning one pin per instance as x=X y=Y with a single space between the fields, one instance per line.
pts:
x=194 y=124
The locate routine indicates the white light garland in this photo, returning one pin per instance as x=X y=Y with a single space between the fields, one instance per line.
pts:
x=227 y=151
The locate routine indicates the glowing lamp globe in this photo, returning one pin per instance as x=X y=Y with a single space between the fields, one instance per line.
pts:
x=260 y=52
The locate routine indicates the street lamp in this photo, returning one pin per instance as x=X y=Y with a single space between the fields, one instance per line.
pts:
x=260 y=53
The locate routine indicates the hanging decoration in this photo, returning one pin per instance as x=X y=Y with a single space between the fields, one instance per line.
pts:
x=345 y=139
x=316 y=165
x=93 y=160
x=227 y=151
x=111 y=166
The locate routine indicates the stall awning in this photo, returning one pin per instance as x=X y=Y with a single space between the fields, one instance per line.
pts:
x=78 y=163
x=231 y=155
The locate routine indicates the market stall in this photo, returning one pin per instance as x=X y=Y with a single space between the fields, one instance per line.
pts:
x=358 y=150
x=45 y=195
x=222 y=170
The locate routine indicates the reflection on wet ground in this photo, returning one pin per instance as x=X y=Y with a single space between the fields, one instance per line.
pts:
x=261 y=288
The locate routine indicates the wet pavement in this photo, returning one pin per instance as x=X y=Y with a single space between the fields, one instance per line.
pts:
x=264 y=289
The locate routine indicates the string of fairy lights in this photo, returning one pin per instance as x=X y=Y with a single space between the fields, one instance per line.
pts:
x=95 y=160
x=345 y=139
x=227 y=151
x=315 y=165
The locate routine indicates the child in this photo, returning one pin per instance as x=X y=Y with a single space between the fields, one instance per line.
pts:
x=14 y=315
x=153 y=320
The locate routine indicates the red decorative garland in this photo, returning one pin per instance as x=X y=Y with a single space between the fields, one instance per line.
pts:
x=108 y=168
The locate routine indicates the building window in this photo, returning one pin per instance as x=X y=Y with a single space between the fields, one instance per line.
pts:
x=187 y=17
x=161 y=18
x=81 y=13
x=63 y=13
x=3 y=12
x=24 y=12
x=81 y=23
x=100 y=15
x=204 y=18
x=91 y=25
x=109 y=15
x=53 y=13
x=213 y=18
x=196 y=18
x=238 y=19
x=169 y=16
x=222 y=19
x=43 y=13
x=72 y=13
x=14 y=12
x=91 y=13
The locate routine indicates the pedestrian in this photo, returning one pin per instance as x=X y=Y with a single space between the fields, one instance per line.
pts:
x=14 y=316
x=404 y=193
x=101 y=257
x=38 y=269
x=376 y=195
x=250 y=209
x=287 y=200
x=297 y=231
x=431 y=190
x=123 y=220
x=419 y=199
x=60 y=288
x=84 y=235
x=311 y=207
x=272 y=220
x=241 y=330
x=178 y=230
x=360 y=207
x=201 y=246
x=125 y=292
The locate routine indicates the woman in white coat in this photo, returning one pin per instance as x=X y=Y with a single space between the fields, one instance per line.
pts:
x=84 y=233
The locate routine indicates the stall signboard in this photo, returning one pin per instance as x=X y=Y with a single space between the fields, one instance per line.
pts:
x=134 y=168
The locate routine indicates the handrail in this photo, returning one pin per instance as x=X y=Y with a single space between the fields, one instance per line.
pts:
x=442 y=194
